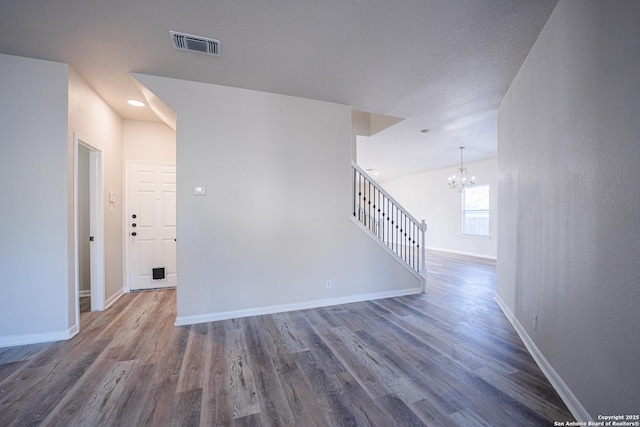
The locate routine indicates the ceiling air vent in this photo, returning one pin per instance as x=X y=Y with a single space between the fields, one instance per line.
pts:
x=193 y=43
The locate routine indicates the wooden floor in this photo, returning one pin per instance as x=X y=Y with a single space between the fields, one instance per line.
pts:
x=448 y=357
x=85 y=304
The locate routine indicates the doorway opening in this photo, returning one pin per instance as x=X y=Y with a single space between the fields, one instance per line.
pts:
x=88 y=187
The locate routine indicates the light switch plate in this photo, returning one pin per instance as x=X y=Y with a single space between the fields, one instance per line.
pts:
x=199 y=190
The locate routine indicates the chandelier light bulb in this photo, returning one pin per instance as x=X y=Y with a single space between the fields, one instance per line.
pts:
x=459 y=181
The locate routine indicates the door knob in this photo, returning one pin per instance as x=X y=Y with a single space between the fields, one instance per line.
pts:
x=134 y=234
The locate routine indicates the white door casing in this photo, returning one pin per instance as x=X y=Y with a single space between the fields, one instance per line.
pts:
x=151 y=243
x=97 y=230
x=96 y=221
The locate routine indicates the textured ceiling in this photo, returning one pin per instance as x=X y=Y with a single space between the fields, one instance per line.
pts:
x=442 y=65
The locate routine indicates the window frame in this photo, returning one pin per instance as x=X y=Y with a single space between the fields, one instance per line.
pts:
x=464 y=211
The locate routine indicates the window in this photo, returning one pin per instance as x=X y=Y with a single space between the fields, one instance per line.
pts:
x=475 y=211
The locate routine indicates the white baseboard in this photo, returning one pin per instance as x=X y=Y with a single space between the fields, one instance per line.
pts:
x=567 y=396
x=73 y=331
x=451 y=251
x=14 y=340
x=113 y=298
x=258 y=311
x=85 y=293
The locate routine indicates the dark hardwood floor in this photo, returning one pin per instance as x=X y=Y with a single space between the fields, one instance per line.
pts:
x=445 y=358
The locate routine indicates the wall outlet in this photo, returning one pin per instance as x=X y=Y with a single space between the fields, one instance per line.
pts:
x=535 y=322
x=328 y=284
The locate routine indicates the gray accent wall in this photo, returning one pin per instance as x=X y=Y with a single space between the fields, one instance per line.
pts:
x=34 y=263
x=274 y=224
x=569 y=212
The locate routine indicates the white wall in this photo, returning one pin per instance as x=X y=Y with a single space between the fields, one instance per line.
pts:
x=34 y=279
x=43 y=103
x=570 y=201
x=94 y=120
x=428 y=196
x=275 y=222
x=148 y=141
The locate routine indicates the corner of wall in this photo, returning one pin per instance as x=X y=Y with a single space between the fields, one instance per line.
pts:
x=567 y=396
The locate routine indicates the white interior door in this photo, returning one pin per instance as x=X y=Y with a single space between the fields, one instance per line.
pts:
x=151 y=226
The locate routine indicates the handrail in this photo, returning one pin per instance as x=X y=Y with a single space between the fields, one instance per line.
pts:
x=384 y=217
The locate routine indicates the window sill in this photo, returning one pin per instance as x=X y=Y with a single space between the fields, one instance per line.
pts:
x=472 y=236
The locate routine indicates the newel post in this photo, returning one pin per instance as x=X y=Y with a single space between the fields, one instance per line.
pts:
x=423 y=263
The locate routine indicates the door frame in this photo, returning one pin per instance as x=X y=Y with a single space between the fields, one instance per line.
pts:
x=127 y=215
x=96 y=220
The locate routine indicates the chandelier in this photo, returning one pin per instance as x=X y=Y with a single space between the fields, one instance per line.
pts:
x=460 y=180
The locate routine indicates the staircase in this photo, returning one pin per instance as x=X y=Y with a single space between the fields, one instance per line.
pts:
x=388 y=222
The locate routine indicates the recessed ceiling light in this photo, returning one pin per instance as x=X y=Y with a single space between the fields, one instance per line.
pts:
x=135 y=103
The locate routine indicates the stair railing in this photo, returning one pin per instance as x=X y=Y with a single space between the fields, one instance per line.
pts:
x=387 y=220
